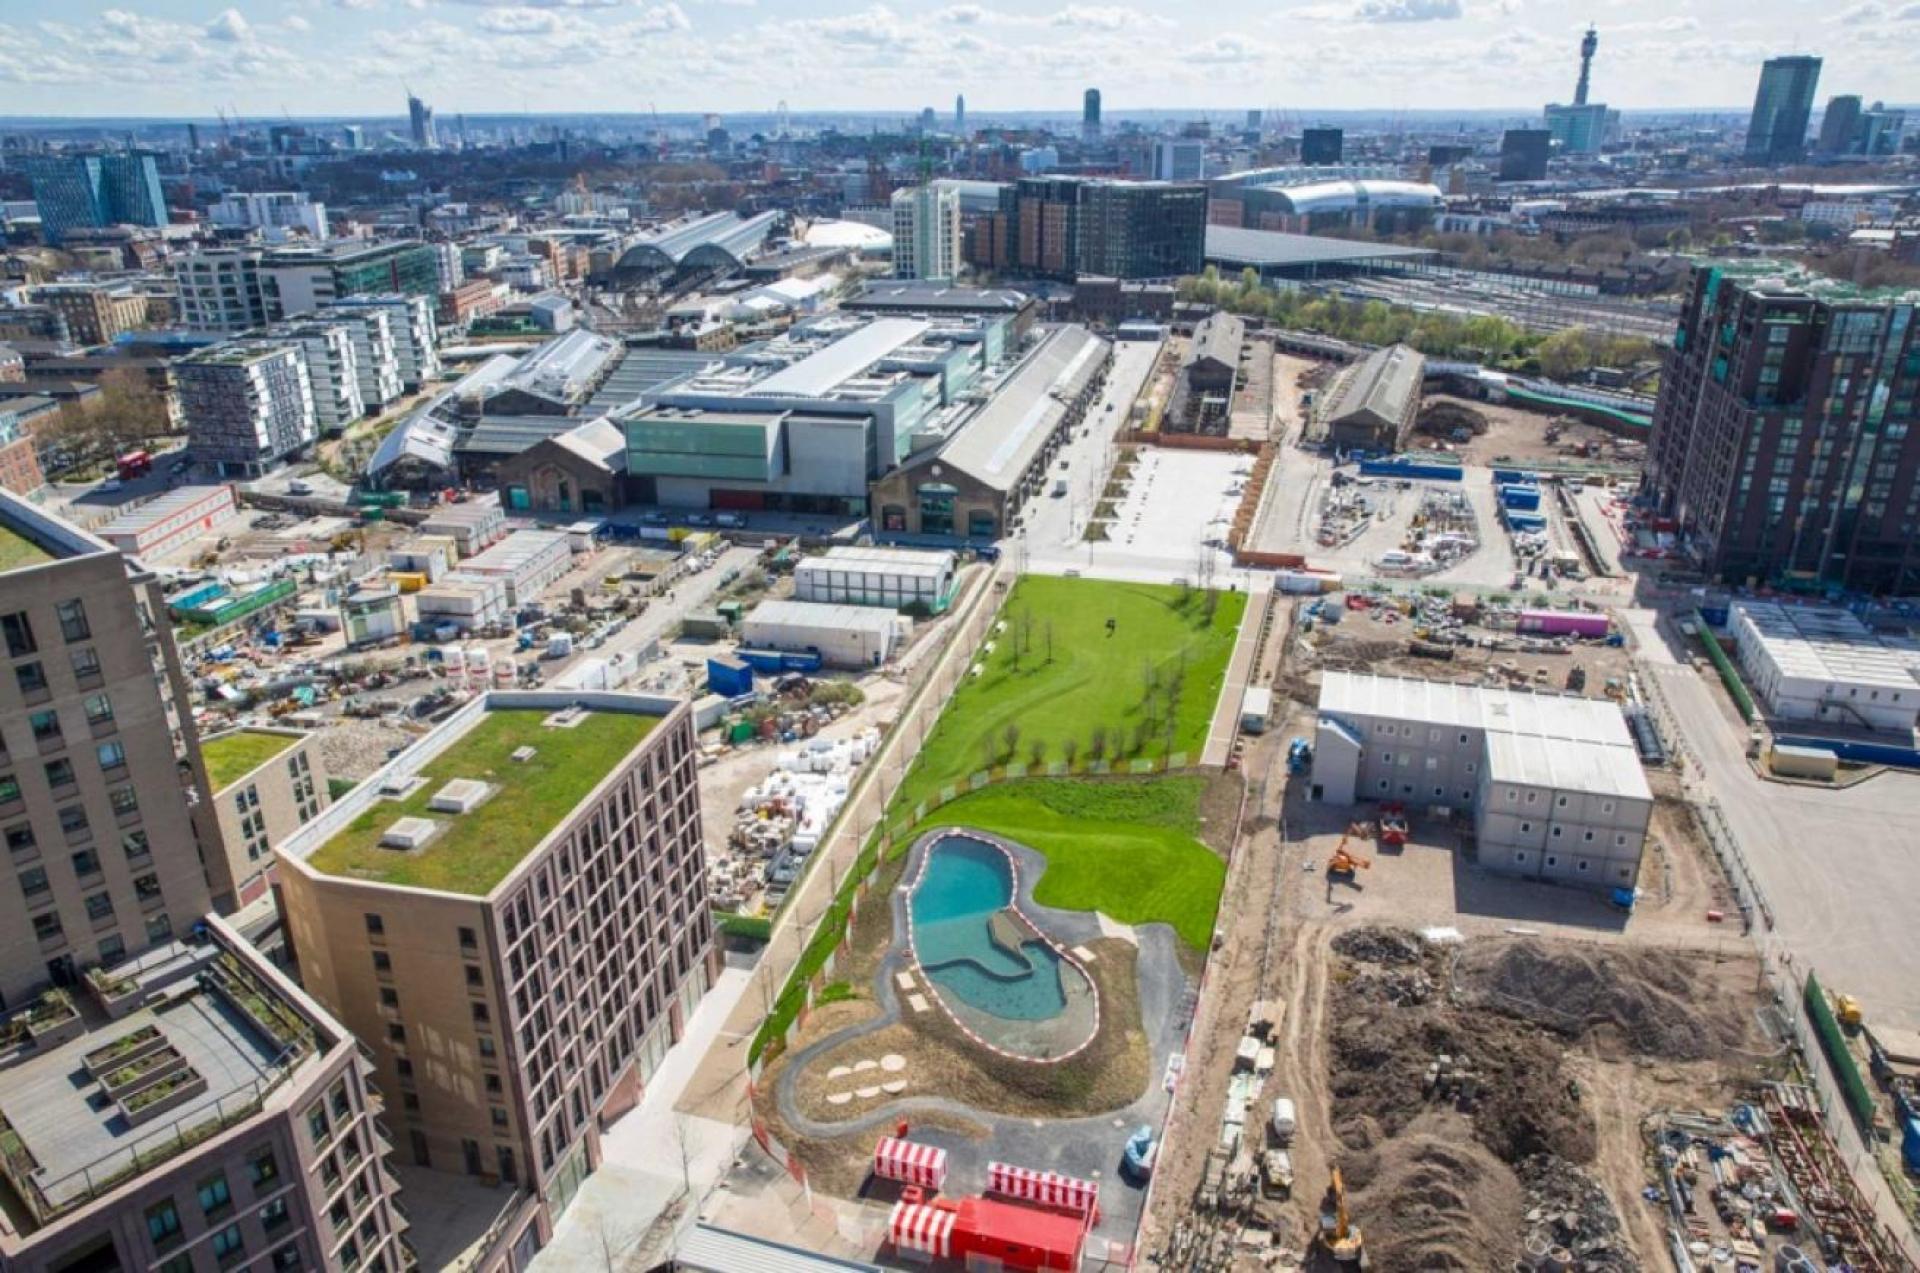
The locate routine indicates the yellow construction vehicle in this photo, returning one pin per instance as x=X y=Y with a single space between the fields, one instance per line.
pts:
x=1848 y=1010
x=1339 y=1237
x=1345 y=861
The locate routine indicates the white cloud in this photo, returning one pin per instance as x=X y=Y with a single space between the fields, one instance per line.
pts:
x=962 y=15
x=517 y=21
x=294 y=22
x=357 y=5
x=228 y=26
x=1409 y=10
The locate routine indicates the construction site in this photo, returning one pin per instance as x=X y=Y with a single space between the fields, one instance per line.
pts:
x=1407 y=1062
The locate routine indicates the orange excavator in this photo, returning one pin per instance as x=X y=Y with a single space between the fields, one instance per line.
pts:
x=1345 y=862
x=1339 y=1237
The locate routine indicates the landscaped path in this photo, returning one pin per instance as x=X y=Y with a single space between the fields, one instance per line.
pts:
x=1240 y=669
x=1086 y=1147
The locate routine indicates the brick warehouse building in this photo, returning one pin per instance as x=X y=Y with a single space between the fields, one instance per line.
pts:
x=1783 y=440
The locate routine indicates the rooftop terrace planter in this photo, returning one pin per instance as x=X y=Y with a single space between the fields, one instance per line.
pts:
x=124 y=1051
x=54 y=1020
x=161 y=1098
x=118 y=996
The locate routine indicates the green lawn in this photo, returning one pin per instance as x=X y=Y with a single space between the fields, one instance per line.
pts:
x=1057 y=676
x=17 y=551
x=231 y=757
x=479 y=849
x=1124 y=847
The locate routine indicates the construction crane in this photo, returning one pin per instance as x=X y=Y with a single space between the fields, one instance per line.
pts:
x=1339 y=1237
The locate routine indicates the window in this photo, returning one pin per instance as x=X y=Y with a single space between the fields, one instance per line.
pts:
x=473 y=976
x=47 y=927
x=9 y=788
x=33 y=881
x=486 y=1046
x=396 y=1033
x=214 y=1195
x=86 y=862
x=317 y=1124
x=1606 y=806
x=262 y=1168
x=73 y=823
x=382 y=963
x=125 y=802
x=1560 y=802
x=112 y=755
x=32 y=678
x=73 y=621
x=146 y=887
x=1553 y=860
x=227 y=1244
x=1588 y=837
x=181 y=1263
x=376 y=927
x=468 y=939
x=1581 y=866
x=112 y=951
x=60 y=773
x=1557 y=831
x=389 y=998
x=20 y=837
x=159 y=927
x=286 y=1259
x=46 y=725
x=275 y=1216
x=99 y=709
x=499 y=1116
x=18 y=632
x=1525 y=827
x=85 y=663
x=480 y=1016
x=99 y=907
x=163 y=1224
x=135 y=843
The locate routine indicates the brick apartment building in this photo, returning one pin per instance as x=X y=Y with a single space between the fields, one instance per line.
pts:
x=1783 y=442
x=512 y=914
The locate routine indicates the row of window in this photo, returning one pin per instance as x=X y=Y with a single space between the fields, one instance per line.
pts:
x=16 y=629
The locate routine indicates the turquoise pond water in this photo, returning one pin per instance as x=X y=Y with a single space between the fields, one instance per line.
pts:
x=964 y=885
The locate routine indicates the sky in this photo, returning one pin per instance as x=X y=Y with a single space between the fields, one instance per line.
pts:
x=265 y=58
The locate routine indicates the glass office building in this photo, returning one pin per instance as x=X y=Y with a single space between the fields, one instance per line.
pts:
x=81 y=192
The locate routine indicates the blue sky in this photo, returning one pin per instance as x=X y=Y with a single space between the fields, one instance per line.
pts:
x=183 y=57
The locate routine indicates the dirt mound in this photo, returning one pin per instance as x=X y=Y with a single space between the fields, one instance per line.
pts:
x=1432 y=1199
x=1375 y=944
x=1442 y=417
x=1649 y=1003
x=1567 y=1208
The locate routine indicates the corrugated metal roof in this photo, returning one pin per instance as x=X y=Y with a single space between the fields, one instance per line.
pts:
x=853 y=353
x=1546 y=740
x=706 y=1249
x=1241 y=246
x=817 y=614
x=998 y=443
x=1386 y=384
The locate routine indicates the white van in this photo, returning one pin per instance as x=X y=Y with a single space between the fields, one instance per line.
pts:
x=1284 y=1120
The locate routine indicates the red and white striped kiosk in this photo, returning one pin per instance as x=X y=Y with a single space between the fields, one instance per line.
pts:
x=1048 y=1188
x=910 y=1164
x=922 y=1231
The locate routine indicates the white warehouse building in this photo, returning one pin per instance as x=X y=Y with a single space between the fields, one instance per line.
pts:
x=1553 y=784
x=843 y=636
x=891 y=577
x=1819 y=663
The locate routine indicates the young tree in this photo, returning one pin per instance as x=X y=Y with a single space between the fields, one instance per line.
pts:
x=1010 y=736
x=1071 y=750
x=1098 y=749
x=1037 y=753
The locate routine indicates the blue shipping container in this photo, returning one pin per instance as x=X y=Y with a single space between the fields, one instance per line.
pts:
x=1910 y=1143
x=1716 y=616
x=1527 y=497
x=1526 y=521
x=1515 y=477
x=1410 y=469
x=776 y=661
x=729 y=677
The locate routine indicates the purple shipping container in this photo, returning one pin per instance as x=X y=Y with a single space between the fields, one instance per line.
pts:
x=1580 y=623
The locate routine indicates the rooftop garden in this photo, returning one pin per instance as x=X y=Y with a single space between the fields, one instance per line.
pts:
x=18 y=552
x=474 y=851
x=231 y=757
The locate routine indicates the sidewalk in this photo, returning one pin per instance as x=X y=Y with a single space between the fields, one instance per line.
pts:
x=1240 y=670
x=658 y=1163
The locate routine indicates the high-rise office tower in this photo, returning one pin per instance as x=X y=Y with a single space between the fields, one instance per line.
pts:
x=1254 y=120
x=1321 y=145
x=960 y=115
x=926 y=231
x=1178 y=159
x=1523 y=154
x=1784 y=440
x=420 y=119
x=1589 y=44
x=95 y=780
x=1839 y=125
x=1090 y=116
x=1777 y=131
x=79 y=192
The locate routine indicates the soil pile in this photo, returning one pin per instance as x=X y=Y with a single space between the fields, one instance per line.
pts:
x=1567 y=1208
x=1433 y=1199
x=1647 y=1003
x=1375 y=944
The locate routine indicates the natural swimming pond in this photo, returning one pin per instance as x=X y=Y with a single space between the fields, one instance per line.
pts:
x=987 y=963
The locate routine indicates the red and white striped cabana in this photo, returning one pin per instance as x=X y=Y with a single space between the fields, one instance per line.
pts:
x=918 y=1229
x=1048 y=1188
x=911 y=1164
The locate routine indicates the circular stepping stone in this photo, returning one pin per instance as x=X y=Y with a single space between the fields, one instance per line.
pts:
x=861 y=1067
x=866 y=1093
x=839 y=1098
x=894 y=1088
x=838 y=1072
x=893 y=1063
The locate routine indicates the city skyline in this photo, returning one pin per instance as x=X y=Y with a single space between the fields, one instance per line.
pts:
x=270 y=58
